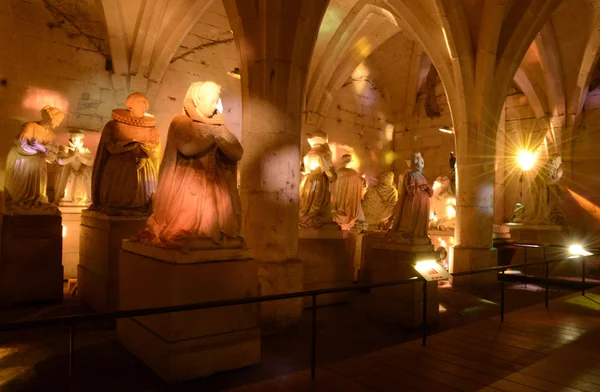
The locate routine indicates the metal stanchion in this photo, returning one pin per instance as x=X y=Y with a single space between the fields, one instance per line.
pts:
x=313 y=346
x=502 y=298
x=582 y=275
x=71 y=354
x=424 y=337
x=546 y=271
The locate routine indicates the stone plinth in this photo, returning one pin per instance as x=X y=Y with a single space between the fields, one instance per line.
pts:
x=71 y=231
x=30 y=259
x=401 y=304
x=327 y=257
x=538 y=234
x=187 y=345
x=99 y=250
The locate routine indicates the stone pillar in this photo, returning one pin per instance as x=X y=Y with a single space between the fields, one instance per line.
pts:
x=275 y=39
x=475 y=200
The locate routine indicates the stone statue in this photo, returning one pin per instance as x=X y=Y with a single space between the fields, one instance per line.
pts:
x=443 y=206
x=26 y=170
x=347 y=209
x=543 y=206
x=314 y=187
x=379 y=202
x=411 y=215
x=74 y=178
x=126 y=166
x=197 y=204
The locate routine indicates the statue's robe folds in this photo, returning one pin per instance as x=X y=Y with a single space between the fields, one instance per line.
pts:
x=411 y=217
x=544 y=204
x=315 y=196
x=126 y=165
x=197 y=197
x=379 y=203
x=74 y=180
x=347 y=209
x=26 y=169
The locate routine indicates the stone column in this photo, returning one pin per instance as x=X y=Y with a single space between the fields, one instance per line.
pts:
x=275 y=39
x=475 y=199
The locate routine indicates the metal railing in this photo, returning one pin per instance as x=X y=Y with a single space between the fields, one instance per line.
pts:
x=71 y=321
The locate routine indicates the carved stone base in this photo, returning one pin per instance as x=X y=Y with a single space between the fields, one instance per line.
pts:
x=540 y=234
x=187 y=345
x=402 y=304
x=30 y=259
x=99 y=250
x=327 y=257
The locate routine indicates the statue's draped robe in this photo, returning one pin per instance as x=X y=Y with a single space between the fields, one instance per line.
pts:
x=26 y=170
x=123 y=180
x=379 y=203
x=347 y=193
x=73 y=180
x=197 y=196
x=315 y=203
x=543 y=207
x=412 y=211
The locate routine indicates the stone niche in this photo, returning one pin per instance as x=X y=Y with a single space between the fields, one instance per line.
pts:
x=187 y=345
x=30 y=259
x=327 y=255
x=99 y=251
x=402 y=305
x=71 y=231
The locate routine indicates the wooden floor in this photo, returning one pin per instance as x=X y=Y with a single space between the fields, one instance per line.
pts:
x=533 y=350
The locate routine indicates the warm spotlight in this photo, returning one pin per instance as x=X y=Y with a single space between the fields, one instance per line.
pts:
x=526 y=159
x=446 y=129
x=577 y=250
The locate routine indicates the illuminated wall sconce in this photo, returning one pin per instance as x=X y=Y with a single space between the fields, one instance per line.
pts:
x=446 y=129
x=235 y=73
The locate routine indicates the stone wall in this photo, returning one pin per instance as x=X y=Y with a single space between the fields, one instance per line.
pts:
x=360 y=123
x=423 y=135
x=55 y=52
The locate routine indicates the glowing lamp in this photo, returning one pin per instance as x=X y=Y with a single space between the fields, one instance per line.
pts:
x=526 y=159
x=446 y=129
x=577 y=250
x=64 y=231
x=220 y=106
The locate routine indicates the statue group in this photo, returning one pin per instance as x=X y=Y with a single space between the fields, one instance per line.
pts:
x=192 y=200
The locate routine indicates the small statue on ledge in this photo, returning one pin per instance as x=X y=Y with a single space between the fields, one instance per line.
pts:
x=26 y=166
x=544 y=205
x=379 y=202
x=126 y=166
x=347 y=209
x=443 y=206
x=411 y=216
x=315 y=202
x=197 y=204
x=74 y=178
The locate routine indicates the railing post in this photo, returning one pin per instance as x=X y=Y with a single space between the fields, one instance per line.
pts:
x=582 y=275
x=525 y=268
x=546 y=271
x=313 y=346
x=71 y=354
x=502 y=297
x=424 y=312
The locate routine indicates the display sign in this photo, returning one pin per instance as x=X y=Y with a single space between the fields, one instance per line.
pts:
x=431 y=270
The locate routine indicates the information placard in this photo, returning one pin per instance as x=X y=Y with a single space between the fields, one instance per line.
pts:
x=431 y=270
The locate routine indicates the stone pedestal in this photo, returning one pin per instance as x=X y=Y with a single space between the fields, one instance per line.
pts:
x=187 y=345
x=71 y=231
x=30 y=259
x=540 y=234
x=401 y=304
x=327 y=257
x=99 y=249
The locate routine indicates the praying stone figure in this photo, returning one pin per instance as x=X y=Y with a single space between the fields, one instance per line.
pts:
x=543 y=206
x=197 y=204
x=74 y=178
x=379 y=202
x=315 y=202
x=347 y=209
x=26 y=170
x=411 y=216
x=443 y=206
x=126 y=166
